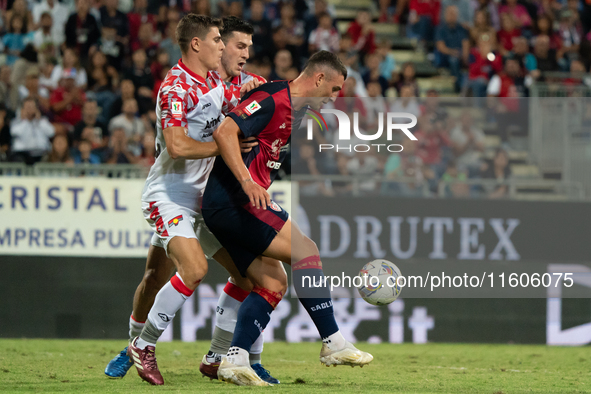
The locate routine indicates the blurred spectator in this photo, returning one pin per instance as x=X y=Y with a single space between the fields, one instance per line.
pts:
x=544 y=27
x=325 y=37
x=66 y=101
x=30 y=134
x=423 y=16
x=148 y=156
x=452 y=44
x=280 y=41
x=27 y=60
x=141 y=75
x=482 y=26
x=5 y=85
x=32 y=89
x=373 y=74
x=361 y=32
x=170 y=45
x=235 y=9
x=283 y=62
x=500 y=171
x=294 y=28
x=82 y=30
x=508 y=33
x=465 y=14
x=484 y=63
x=468 y=144
x=127 y=91
x=261 y=39
x=432 y=139
x=455 y=177
x=102 y=76
x=45 y=73
x=118 y=152
x=312 y=20
x=432 y=106
x=60 y=151
x=545 y=57
x=387 y=63
x=70 y=61
x=407 y=76
x=90 y=128
x=145 y=42
x=110 y=47
x=43 y=39
x=307 y=165
x=132 y=125
x=139 y=16
x=14 y=40
x=111 y=16
x=360 y=89
x=522 y=55
x=490 y=6
x=406 y=164
x=20 y=8
x=517 y=12
x=364 y=166
x=5 y=137
x=509 y=82
x=375 y=104
x=59 y=16
x=84 y=154
x=571 y=32
x=407 y=102
x=201 y=7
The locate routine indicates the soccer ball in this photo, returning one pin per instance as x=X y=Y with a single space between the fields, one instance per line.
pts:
x=384 y=289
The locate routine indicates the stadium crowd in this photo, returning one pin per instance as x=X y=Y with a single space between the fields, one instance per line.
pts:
x=79 y=78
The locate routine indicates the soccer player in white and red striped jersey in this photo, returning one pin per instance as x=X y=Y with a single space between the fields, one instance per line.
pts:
x=178 y=108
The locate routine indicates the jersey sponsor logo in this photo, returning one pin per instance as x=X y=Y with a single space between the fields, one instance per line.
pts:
x=175 y=221
x=206 y=105
x=177 y=108
x=252 y=107
x=274 y=206
x=178 y=88
x=212 y=123
x=282 y=126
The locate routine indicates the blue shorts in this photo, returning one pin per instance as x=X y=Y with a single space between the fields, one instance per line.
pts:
x=245 y=232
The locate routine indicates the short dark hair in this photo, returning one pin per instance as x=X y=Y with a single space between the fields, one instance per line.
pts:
x=193 y=25
x=234 y=24
x=327 y=59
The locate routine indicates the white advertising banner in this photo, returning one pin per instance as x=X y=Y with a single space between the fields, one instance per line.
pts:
x=80 y=216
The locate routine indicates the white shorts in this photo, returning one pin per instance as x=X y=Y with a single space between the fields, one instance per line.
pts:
x=169 y=220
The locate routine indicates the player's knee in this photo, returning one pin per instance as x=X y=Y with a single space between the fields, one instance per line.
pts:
x=193 y=275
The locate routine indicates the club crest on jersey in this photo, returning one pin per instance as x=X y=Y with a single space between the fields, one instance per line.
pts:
x=274 y=206
x=175 y=221
x=252 y=108
x=276 y=147
x=177 y=108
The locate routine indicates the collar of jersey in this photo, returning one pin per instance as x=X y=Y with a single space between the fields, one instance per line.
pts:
x=191 y=73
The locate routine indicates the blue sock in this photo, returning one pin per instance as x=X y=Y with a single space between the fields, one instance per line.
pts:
x=314 y=294
x=253 y=316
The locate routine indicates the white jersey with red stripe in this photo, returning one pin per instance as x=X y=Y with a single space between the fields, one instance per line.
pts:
x=185 y=100
x=233 y=88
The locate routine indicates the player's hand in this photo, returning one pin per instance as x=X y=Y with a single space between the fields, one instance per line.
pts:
x=258 y=196
x=247 y=144
x=247 y=87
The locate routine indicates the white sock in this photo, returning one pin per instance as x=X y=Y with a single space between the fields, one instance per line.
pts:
x=135 y=328
x=237 y=356
x=256 y=350
x=228 y=305
x=168 y=301
x=335 y=341
x=142 y=344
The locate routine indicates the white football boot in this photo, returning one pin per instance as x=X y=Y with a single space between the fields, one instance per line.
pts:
x=235 y=368
x=349 y=355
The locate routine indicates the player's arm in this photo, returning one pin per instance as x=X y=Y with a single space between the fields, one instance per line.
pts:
x=227 y=138
x=180 y=146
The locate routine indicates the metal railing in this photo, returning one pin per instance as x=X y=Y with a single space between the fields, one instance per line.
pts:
x=128 y=171
x=517 y=188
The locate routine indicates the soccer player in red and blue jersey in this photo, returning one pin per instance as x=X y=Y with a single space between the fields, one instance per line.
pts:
x=238 y=210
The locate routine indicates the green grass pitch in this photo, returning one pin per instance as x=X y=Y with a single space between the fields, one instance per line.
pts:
x=34 y=366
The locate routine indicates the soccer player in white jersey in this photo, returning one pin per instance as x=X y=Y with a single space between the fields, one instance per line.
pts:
x=159 y=267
